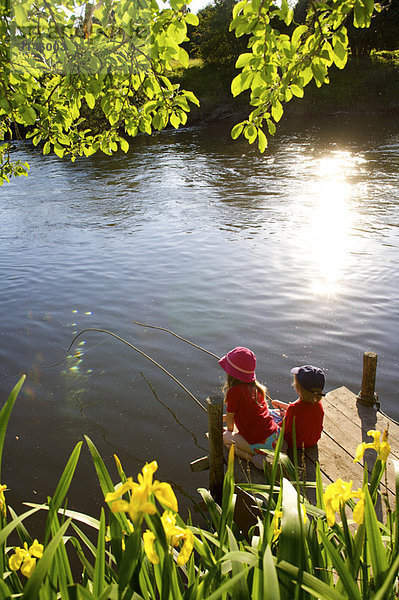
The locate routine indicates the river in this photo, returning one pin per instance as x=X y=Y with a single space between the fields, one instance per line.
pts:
x=293 y=253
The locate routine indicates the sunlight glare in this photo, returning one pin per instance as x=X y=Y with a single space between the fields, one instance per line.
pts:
x=331 y=222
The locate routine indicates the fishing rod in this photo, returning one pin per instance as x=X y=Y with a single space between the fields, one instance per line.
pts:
x=179 y=337
x=143 y=354
x=187 y=342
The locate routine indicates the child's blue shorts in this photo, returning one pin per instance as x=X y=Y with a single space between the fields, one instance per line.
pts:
x=270 y=442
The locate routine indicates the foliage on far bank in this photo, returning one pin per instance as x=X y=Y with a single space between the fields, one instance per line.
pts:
x=113 y=57
x=140 y=548
x=368 y=84
x=59 y=69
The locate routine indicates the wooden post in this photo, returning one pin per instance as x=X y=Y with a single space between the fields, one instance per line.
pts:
x=367 y=394
x=216 y=468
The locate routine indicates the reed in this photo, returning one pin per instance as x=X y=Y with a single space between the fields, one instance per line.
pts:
x=335 y=550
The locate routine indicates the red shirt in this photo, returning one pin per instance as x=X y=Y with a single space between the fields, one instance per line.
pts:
x=253 y=420
x=308 y=423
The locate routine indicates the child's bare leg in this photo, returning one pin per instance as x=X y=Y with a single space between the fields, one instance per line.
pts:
x=242 y=447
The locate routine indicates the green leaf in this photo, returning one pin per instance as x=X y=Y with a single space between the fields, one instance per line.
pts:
x=104 y=479
x=237 y=130
x=237 y=7
x=240 y=588
x=251 y=133
x=291 y=547
x=243 y=60
x=296 y=36
x=59 y=150
x=271 y=588
x=5 y=531
x=226 y=587
x=130 y=558
x=124 y=144
x=183 y=58
x=73 y=514
x=340 y=55
x=310 y=583
x=191 y=19
x=377 y=550
x=174 y=120
x=297 y=91
x=241 y=82
x=99 y=568
x=66 y=478
x=342 y=569
x=359 y=16
x=262 y=141
x=277 y=110
x=90 y=99
x=6 y=412
x=62 y=487
x=20 y=15
x=28 y=114
x=271 y=126
x=191 y=97
x=386 y=588
x=319 y=73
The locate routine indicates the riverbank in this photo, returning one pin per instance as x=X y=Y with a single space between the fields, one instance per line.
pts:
x=366 y=85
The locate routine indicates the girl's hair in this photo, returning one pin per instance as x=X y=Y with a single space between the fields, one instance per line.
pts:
x=255 y=385
x=311 y=397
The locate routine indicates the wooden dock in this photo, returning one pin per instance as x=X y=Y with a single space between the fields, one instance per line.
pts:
x=346 y=422
x=347 y=419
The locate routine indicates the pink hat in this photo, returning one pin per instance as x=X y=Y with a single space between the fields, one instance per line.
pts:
x=240 y=363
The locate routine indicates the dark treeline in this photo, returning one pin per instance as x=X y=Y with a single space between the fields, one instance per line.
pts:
x=212 y=41
x=364 y=84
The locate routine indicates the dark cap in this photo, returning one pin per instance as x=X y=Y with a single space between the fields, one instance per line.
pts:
x=310 y=378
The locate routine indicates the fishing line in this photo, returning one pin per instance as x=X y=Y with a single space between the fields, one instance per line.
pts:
x=171 y=412
x=178 y=337
x=218 y=358
x=85 y=351
x=143 y=354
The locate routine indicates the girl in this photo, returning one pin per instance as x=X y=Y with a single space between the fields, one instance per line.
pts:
x=249 y=425
x=307 y=412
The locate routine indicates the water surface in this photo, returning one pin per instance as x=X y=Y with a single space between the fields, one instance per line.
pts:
x=294 y=253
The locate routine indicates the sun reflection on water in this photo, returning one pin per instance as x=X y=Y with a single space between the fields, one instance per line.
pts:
x=331 y=220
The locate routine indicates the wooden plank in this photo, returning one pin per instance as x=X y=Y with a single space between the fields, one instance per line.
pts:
x=201 y=464
x=347 y=422
x=363 y=417
x=216 y=469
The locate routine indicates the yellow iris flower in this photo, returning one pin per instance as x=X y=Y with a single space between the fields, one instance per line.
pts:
x=277 y=521
x=174 y=535
x=358 y=511
x=149 y=539
x=3 y=509
x=141 y=493
x=382 y=446
x=336 y=495
x=25 y=558
x=276 y=524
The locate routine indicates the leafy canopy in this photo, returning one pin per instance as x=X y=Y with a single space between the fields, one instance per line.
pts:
x=61 y=60
x=279 y=66
x=64 y=62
